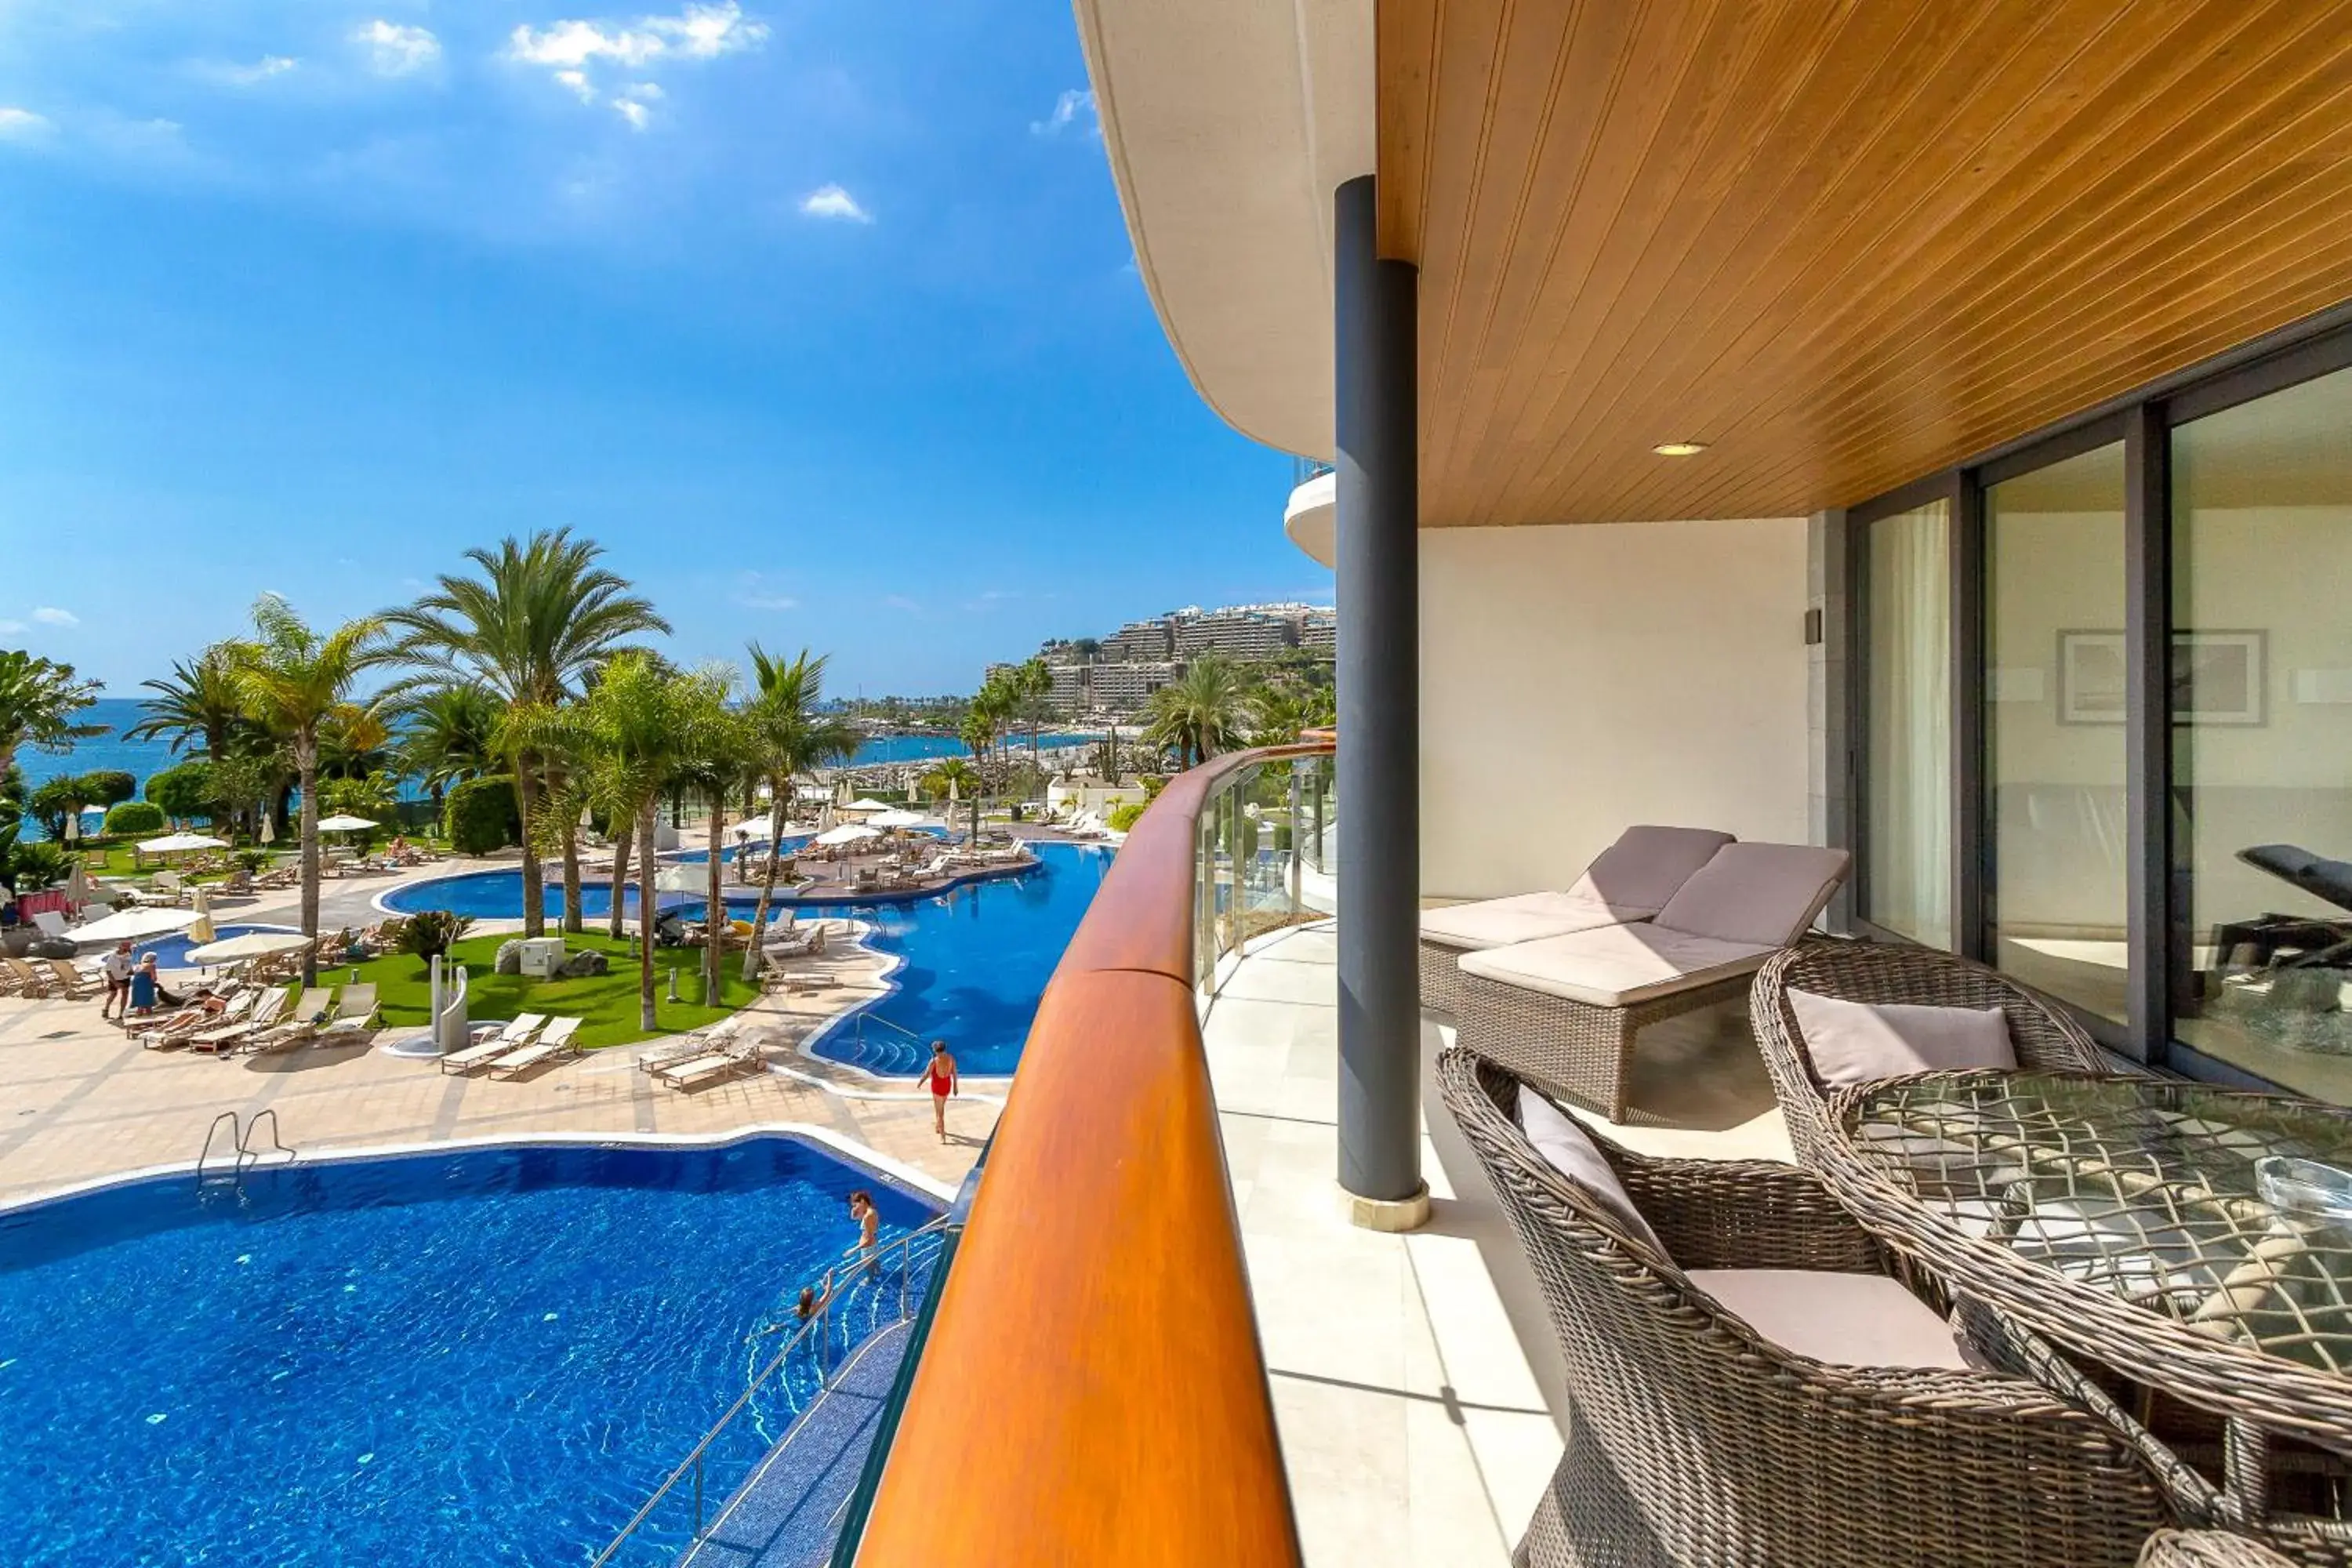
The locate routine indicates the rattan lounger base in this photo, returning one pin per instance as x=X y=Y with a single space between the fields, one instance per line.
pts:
x=1573 y=1048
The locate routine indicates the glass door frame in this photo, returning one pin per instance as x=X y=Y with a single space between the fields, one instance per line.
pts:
x=2143 y=420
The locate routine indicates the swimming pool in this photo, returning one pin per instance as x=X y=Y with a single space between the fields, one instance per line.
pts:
x=485 y=1356
x=172 y=952
x=973 y=961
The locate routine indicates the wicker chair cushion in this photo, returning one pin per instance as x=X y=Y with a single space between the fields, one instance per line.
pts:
x=1845 y=1319
x=1524 y=917
x=1616 y=966
x=1852 y=1043
x=1761 y=893
x=1564 y=1146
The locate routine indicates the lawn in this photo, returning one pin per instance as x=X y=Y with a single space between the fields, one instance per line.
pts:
x=606 y=1003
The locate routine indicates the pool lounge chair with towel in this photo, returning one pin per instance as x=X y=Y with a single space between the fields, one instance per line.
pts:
x=181 y=1025
x=517 y=1033
x=264 y=1013
x=1630 y=880
x=555 y=1040
x=1563 y=1011
x=743 y=1053
x=298 y=1021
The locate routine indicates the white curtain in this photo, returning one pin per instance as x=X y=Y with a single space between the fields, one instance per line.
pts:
x=1909 y=880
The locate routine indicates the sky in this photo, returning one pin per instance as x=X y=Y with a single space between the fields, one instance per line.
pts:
x=822 y=318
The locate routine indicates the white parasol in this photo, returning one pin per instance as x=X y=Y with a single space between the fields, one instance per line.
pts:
x=174 y=843
x=132 y=925
x=866 y=803
x=252 y=944
x=345 y=825
x=269 y=828
x=680 y=879
x=896 y=819
x=202 y=930
x=848 y=833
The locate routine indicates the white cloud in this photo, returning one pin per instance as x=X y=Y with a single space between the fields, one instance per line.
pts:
x=21 y=124
x=1068 y=108
x=768 y=602
x=579 y=83
x=697 y=32
x=833 y=202
x=50 y=615
x=634 y=103
x=395 y=49
x=260 y=71
x=10 y=628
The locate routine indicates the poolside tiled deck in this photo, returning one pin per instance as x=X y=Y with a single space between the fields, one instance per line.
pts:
x=80 y=1101
x=1414 y=1380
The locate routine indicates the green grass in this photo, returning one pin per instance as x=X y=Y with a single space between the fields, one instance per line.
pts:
x=606 y=1005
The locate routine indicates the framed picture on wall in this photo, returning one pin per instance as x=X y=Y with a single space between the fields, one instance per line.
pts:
x=2218 y=676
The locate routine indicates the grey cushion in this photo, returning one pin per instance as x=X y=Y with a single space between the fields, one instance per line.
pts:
x=1764 y=893
x=1523 y=916
x=1616 y=966
x=1565 y=1147
x=1845 y=1319
x=1647 y=866
x=1852 y=1043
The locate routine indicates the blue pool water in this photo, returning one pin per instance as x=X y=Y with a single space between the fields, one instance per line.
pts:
x=484 y=1357
x=974 y=961
x=172 y=952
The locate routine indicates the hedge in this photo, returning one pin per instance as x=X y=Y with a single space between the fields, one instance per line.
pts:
x=135 y=817
x=481 y=816
x=184 y=792
x=108 y=786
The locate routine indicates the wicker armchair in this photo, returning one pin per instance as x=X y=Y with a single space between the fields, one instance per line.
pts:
x=2207 y=1549
x=1694 y=1441
x=1887 y=972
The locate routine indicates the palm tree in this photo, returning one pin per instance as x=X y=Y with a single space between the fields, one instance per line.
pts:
x=448 y=734
x=292 y=680
x=628 y=738
x=530 y=627
x=723 y=757
x=790 y=733
x=1198 y=714
x=1033 y=683
x=195 y=705
x=953 y=775
x=39 y=700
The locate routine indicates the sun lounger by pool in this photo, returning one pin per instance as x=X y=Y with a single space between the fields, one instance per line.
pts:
x=180 y=1026
x=1630 y=880
x=355 y=1016
x=555 y=1040
x=742 y=1054
x=269 y=1007
x=298 y=1020
x=694 y=1043
x=518 y=1032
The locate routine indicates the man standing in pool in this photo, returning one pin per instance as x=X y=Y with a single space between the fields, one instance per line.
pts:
x=941 y=1077
x=869 y=1229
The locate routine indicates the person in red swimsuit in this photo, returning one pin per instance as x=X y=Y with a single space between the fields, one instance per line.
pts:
x=941 y=1076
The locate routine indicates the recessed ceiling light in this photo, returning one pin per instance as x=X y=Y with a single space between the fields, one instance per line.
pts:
x=1679 y=449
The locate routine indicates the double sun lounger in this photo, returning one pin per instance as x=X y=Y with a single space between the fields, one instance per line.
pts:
x=722 y=1050
x=266 y=1018
x=527 y=1040
x=1555 y=985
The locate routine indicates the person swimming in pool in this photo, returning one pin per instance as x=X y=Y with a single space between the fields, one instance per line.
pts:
x=869 y=1229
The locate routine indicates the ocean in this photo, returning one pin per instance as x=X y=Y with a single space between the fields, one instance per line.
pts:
x=140 y=758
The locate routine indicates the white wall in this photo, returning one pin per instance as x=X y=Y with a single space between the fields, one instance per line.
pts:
x=1578 y=679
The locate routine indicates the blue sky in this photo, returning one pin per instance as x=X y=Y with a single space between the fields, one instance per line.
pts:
x=822 y=318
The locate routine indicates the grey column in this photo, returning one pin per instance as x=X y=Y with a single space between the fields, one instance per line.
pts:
x=1380 y=713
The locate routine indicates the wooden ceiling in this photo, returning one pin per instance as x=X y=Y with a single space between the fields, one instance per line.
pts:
x=1843 y=242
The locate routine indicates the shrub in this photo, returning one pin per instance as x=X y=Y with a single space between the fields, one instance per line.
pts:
x=480 y=815
x=108 y=786
x=135 y=817
x=32 y=867
x=251 y=861
x=429 y=933
x=183 y=792
x=1125 y=815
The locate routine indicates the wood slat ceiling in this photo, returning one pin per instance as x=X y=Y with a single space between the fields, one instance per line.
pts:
x=1845 y=242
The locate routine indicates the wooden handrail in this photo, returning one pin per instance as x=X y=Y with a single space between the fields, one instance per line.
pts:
x=1093 y=1390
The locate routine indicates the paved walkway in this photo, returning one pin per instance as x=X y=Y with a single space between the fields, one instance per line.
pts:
x=1415 y=1381
x=80 y=1101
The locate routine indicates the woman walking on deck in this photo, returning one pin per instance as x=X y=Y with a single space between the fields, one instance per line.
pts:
x=941 y=1076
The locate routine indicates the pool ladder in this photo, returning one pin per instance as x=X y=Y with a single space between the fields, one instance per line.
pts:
x=245 y=1145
